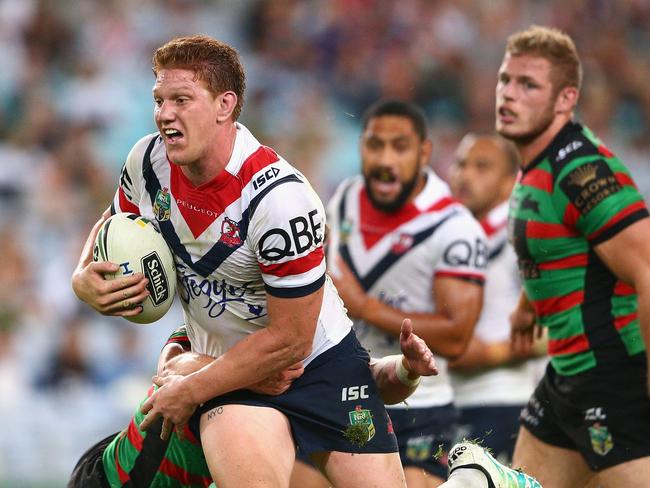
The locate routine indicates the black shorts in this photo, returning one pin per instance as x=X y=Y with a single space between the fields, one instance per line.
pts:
x=89 y=471
x=335 y=397
x=604 y=416
x=425 y=436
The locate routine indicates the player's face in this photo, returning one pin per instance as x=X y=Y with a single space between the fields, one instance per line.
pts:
x=480 y=176
x=185 y=113
x=392 y=156
x=525 y=98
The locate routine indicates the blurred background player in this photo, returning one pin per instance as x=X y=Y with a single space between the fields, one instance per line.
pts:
x=491 y=384
x=580 y=229
x=400 y=245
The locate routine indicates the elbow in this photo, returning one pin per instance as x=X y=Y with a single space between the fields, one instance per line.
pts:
x=456 y=347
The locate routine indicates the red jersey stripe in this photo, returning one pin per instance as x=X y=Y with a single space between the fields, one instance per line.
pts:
x=179 y=474
x=571 y=215
x=575 y=261
x=549 y=306
x=125 y=204
x=623 y=320
x=625 y=179
x=538 y=178
x=490 y=229
x=201 y=205
x=189 y=435
x=622 y=289
x=543 y=230
x=375 y=224
x=444 y=202
x=568 y=345
x=461 y=275
x=123 y=475
x=134 y=435
x=295 y=267
x=630 y=209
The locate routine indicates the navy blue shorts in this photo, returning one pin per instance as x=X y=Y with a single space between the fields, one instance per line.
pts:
x=334 y=401
x=494 y=427
x=425 y=435
x=604 y=415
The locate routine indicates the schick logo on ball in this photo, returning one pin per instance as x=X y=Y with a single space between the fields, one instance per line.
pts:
x=158 y=285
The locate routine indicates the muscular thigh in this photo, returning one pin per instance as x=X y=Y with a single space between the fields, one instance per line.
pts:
x=632 y=474
x=247 y=445
x=553 y=466
x=348 y=470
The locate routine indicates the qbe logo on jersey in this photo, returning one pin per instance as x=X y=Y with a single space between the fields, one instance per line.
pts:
x=158 y=285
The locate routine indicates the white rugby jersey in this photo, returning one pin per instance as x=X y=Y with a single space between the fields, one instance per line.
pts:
x=256 y=228
x=504 y=385
x=396 y=257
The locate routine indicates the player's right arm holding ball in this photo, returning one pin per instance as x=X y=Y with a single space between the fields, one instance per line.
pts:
x=119 y=297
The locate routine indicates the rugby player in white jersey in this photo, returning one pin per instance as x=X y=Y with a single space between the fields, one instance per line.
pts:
x=246 y=231
x=491 y=383
x=401 y=246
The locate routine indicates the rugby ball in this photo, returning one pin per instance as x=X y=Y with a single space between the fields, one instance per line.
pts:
x=136 y=246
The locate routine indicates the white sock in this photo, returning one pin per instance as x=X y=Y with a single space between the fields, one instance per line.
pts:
x=466 y=478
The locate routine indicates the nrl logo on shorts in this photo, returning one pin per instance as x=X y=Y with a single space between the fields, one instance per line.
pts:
x=361 y=428
x=601 y=439
x=162 y=205
x=419 y=448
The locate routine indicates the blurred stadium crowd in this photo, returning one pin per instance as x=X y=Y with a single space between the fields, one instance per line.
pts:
x=75 y=96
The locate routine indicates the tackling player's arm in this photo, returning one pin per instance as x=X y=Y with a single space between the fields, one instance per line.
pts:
x=524 y=329
x=398 y=376
x=458 y=303
x=286 y=340
x=627 y=255
x=480 y=354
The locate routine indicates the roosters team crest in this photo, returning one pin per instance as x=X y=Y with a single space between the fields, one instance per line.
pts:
x=230 y=233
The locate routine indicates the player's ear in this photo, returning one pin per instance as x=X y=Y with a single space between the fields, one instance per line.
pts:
x=226 y=103
x=427 y=149
x=566 y=99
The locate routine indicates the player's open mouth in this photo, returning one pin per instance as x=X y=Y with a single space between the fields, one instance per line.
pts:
x=172 y=135
x=383 y=180
x=506 y=115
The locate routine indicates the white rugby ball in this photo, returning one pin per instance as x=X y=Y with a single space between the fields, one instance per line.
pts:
x=136 y=246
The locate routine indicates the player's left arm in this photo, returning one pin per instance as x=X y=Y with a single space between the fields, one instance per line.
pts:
x=604 y=205
x=627 y=255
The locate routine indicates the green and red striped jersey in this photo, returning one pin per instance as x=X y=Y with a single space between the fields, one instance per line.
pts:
x=138 y=458
x=573 y=196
